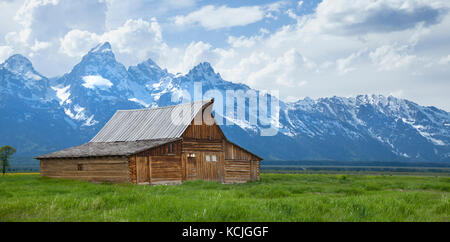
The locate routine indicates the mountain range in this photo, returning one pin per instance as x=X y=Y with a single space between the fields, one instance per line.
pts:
x=39 y=114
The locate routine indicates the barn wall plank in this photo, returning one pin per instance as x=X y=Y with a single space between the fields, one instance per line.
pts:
x=132 y=169
x=114 y=169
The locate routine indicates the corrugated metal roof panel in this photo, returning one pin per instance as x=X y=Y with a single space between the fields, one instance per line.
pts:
x=149 y=123
x=96 y=149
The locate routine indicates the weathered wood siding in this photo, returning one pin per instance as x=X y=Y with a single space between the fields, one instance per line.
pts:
x=157 y=165
x=189 y=166
x=234 y=152
x=132 y=171
x=240 y=165
x=198 y=167
x=202 y=140
x=234 y=164
x=193 y=145
x=254 y=176
x=143 y=169
x=207 y=130
x=237 y=171
x=113 y=169
x=166 y=169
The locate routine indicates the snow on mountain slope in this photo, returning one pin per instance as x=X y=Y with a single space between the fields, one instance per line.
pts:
x=21 y=79
x=96 y=87
x=32 y=120
x=78 y=104
x=406 y=128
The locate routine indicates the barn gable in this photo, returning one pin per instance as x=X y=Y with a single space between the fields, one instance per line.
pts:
x=208 y=129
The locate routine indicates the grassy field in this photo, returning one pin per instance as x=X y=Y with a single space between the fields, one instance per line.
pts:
x=277 y=197
x=387 y=171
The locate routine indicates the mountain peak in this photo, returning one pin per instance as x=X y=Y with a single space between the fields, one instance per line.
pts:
x=204 y=67
x=378 y=99
x=100 y=55
x=205 y=71
x=150 y=63
x=101 y=48
x=18 y=63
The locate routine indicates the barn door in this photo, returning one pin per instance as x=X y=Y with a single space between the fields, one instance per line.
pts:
x=191 y=168
x=142 y=169
x=208 y=166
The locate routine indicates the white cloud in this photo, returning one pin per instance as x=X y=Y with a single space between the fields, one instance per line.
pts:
x=25 y=14
x=134 y=41
x=344 y=65
x=389 y=58
x=212 y=17
x=38 y=45
x=140 y=102
x=94 y=81
x=138 y=38
x=397 y=93
x=120 y=11
x=182 y=60
x=366 y=16
x=243 y=41
x=287 y=70
x=444 y=60
x=5 y=52
x=19 y=38
x=38 y=26
x=215 y=17
x=291 y=14
x=7 y=22
x=77 y=42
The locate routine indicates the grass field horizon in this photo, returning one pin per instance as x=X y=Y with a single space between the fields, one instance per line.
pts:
x=277 y=197
x=321 y=167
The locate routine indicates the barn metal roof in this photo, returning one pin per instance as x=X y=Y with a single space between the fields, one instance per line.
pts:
x=96 y=149
x=149 y=123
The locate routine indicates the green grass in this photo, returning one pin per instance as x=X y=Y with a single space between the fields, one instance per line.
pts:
x=277 y=197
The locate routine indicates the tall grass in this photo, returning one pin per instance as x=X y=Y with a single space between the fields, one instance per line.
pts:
x=277 y=197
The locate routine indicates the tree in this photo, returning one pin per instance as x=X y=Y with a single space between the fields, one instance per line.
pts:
x=5 y=153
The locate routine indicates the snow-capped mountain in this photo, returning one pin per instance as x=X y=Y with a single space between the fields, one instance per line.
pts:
x=379 y=127
x=30 y=118
x=96 y=87
x=43 y=115
x=20 y=79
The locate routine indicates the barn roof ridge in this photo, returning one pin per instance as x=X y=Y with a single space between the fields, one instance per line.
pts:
x=148 y=123
x=163 y=107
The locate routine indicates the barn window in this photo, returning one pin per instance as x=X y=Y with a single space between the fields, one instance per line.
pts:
x=171 y=148
x=80 y=167
x=211 y=158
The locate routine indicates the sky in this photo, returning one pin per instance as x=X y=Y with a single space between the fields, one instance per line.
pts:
x=301 y=48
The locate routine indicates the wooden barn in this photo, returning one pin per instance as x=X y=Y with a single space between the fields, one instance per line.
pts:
x=165 y=145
